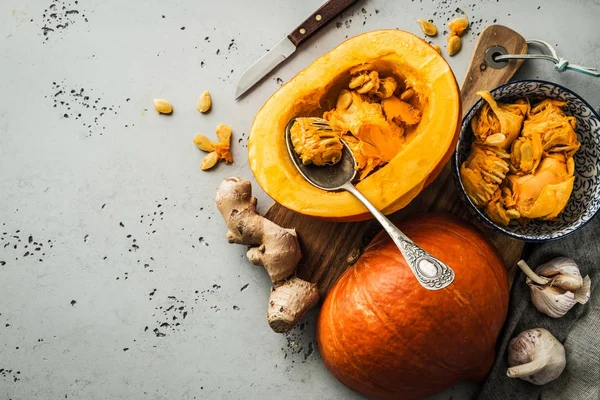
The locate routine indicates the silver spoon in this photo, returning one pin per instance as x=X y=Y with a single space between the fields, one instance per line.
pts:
x=431 y=273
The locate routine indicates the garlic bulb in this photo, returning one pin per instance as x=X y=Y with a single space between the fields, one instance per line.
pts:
x=536 y=356
x=556 y=286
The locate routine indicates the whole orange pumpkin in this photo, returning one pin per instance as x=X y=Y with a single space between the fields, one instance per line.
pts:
x=384 y=335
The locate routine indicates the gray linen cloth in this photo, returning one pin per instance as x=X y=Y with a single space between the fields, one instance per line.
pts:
x=578 y=331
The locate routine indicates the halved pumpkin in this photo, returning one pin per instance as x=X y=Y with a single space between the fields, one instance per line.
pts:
x=313 y=91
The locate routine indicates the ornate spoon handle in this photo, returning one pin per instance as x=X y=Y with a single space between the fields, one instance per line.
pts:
x=431 y=273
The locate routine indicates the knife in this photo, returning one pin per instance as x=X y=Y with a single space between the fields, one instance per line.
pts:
x=287 y=46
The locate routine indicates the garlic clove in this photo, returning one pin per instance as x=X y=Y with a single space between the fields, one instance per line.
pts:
x=582 y=295
x=551 y=300
x=536 y=356
x=567 y=282
x=556 y=286
x=563 y=271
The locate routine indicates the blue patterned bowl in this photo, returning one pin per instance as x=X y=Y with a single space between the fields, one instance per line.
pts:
x=585 y=199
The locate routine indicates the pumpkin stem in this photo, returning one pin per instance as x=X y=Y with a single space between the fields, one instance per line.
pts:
x=530 y=368
x=540 y=280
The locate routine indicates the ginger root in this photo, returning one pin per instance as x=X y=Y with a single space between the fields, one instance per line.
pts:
x=275 y=248
x=289 y=302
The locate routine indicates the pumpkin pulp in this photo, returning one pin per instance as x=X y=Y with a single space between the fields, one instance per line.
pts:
x=427 y=146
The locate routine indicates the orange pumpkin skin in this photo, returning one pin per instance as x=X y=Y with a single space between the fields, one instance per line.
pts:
x=384 y=335
x=393 y=186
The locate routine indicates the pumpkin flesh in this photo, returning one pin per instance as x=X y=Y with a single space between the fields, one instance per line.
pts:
x=521 y=164
x=314 y=91
x=382 y=334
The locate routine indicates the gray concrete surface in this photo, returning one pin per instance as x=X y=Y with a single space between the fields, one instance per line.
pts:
x=116 y=281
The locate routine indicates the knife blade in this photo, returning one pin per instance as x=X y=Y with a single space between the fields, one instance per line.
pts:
x=264 y=65
x=288 y=45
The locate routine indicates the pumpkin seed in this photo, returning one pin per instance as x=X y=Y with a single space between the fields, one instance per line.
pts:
x=454 y=45
x=203 y=143
x=358 y=81
x=458 y=26
x=204 y=102
x=209 y=161
x=387 y=87
x=344 y=100
x=162 y=106
x=427 y=27
x=223 y=133
x=407 y=94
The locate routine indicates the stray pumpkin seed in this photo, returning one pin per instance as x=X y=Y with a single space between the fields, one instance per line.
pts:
x=513 y=214
x=454 y=45
x=495 y=139
x=437 y=48
x=458 y=26
x=344 y=100
x=387 y=87
x=209 y=161
x=358 y=81
x=367 y=87
x=570 y=166
x=223 y=133
x=204 y=102
x=407 y=94
x=366 y=67
x=427 y=27
x=203 y=143
x=162 y=106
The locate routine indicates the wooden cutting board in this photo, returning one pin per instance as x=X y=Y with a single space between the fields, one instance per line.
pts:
x=329 y=248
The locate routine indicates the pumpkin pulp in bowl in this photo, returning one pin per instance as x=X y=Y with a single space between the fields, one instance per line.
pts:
x=426 y=146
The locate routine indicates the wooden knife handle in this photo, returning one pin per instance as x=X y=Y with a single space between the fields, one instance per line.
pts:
x=318 y=19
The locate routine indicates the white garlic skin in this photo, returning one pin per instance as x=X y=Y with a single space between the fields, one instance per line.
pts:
x=552 y=301
x=536 y=356
x=564 y=272
x=556 y=286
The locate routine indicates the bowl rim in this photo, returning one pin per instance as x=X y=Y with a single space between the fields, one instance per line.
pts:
x=478 y=213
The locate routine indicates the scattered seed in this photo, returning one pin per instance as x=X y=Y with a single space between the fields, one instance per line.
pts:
x=454 y=45
x=203 y=143
x=407 y=94
x=204 y=103
x=162 y=106
x=427 y=27
x=223 y=132
x=209 y=161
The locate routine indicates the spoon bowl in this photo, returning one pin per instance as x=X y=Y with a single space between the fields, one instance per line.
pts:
x=431 y=273
x=326 y=177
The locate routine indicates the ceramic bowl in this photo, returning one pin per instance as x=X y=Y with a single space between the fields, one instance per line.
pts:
x=585 y=199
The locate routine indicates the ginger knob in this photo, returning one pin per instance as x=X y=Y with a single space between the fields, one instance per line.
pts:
x=275 y=248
